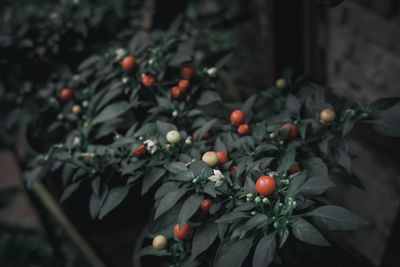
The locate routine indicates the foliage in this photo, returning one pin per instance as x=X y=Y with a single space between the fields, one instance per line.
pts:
x=113 y=149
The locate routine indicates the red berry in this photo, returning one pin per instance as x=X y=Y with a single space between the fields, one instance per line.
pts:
x=182 y=232
x=243 y=129
x=233 y=169
x=237 y=117
x=222 y=158
x=140 y=151
x=265 y=186
x=205 y=205
x=292 y=130
x=188 y=70
x=176 y=92
x=148 y=80
x=66 y=94
x=295 y=169
x=184 y=85
x=128 y=63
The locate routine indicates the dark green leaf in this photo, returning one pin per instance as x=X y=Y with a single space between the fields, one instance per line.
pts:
x=168 y=201
x=306 y=232
x=315 y=186
x=232 y=253
x=208 y=97
x=337 y=218
x=69 y=190
x=384 y=103
x=189 y=207
x=232 y=216
x=112 y=111
x=151 y=178
x=203 y=238
x=265 y=251
x=114 y=197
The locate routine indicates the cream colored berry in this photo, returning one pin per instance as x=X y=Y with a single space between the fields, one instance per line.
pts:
x=210 y=158
x=173 y=137
x=76 y=109
x=159 y=242
x=281 y=83
x=327 y=116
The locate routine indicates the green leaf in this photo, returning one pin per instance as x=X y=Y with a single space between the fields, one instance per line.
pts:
x=343 y=158
x=69 y=190
x=383 y=103
x=200 y=168
x=164 y=127
x=189 y=207
x=296 y=183
x=265 y=251
x=199 y=133
x=315 y=186
x=386 y=126
x=293 y=104
x=257 y=221
x=336 y=218
x=168 y=201
x=219 y=146
x=112 y=111
x=114 y=197
x=208 y=97
x=316 y=168
x=232 y=253
x=248 y=104
x=204 y=236
x=209 y=188
x=150 y=251
x=151 y=178
x=306 y=232
x=232 y=216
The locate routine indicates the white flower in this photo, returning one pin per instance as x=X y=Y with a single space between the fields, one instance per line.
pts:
x=188 y=140
x=151 y=146
x=217 y=178
x=119 y=54
x=212 y=71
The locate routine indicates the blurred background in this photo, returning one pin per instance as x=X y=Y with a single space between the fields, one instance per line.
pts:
x=352 y=47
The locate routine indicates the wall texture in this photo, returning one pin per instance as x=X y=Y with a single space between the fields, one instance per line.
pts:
x=362 y=46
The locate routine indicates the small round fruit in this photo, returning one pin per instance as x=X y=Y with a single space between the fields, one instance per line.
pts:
x=237 y=117
x=148 y=80
x=159 y=242
x=210 y=158
x=66 y=94
x=281 y=83
x=175 y=92
x=292 y=130
x=265 y=185
x=222 y=158
x=184 y=85
x=173 y=137
x=128 y=63
x=76 y=109
x=327 y=116
x=140 y=151
x=188 y=70
x=182 y=232
x=243 y=129
x=205 y=205
x=294 y=169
